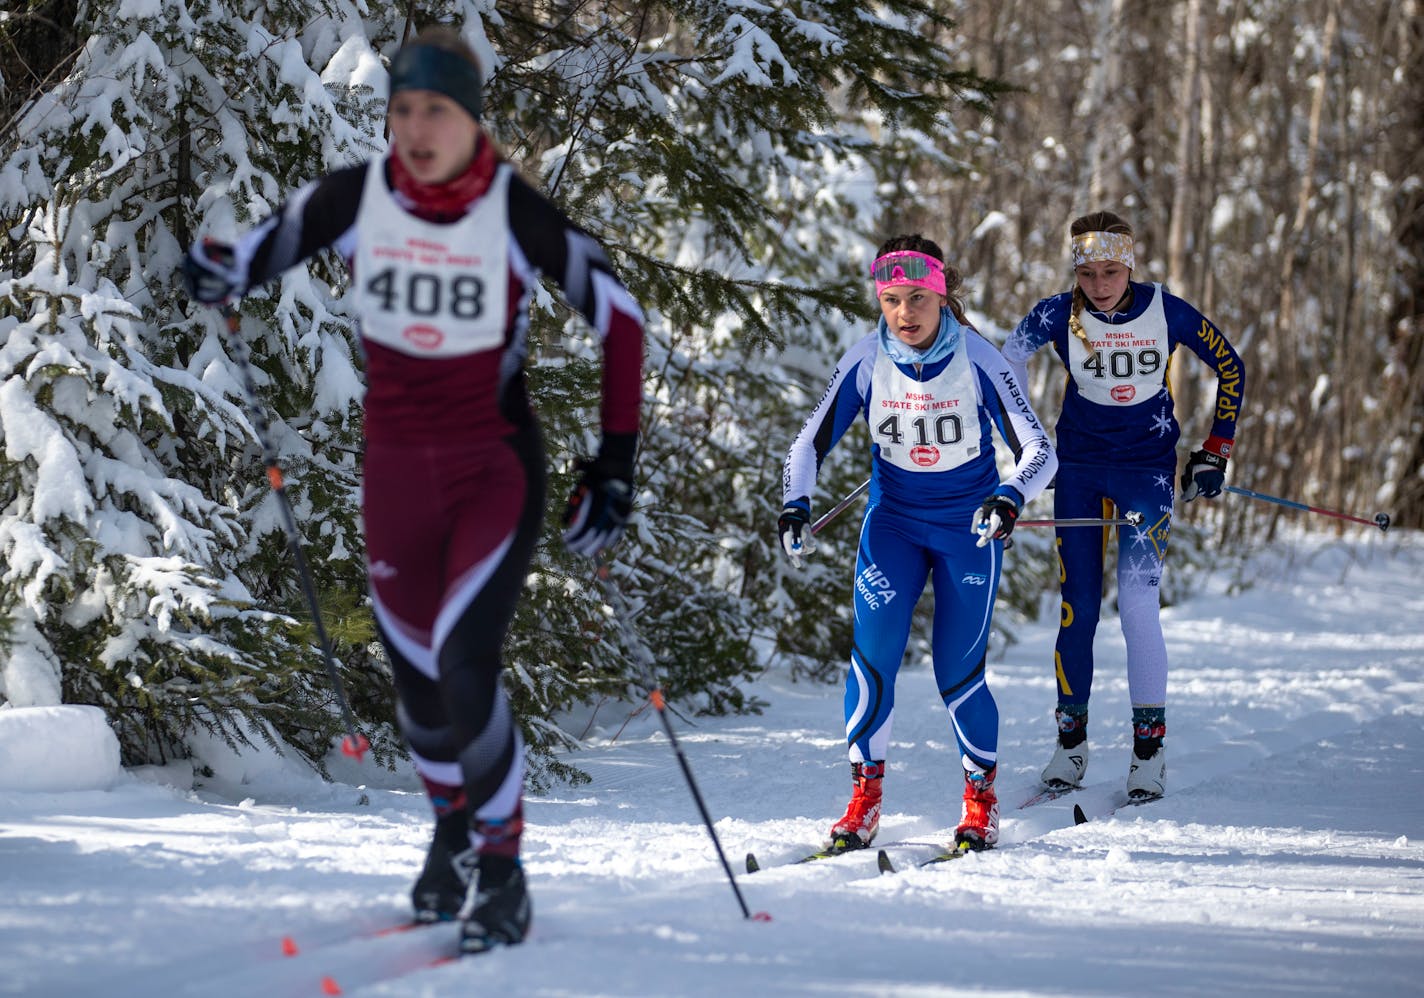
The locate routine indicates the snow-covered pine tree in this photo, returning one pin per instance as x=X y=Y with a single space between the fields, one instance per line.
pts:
x=145 y=567
x=733 y=158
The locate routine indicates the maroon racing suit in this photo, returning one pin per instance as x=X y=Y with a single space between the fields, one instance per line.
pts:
x=454 y=479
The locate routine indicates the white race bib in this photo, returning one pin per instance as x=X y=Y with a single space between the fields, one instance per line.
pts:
x=1128 y=362
x=925 y=425
x=432 y=290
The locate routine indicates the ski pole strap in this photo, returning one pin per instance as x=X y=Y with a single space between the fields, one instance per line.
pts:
x=1380 y=520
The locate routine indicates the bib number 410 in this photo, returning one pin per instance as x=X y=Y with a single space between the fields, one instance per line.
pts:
x=424 y=294
x=947 y=429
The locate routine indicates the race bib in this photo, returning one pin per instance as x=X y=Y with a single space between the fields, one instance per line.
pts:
x=925 y=425
x=1127 y=363
x=432 y=290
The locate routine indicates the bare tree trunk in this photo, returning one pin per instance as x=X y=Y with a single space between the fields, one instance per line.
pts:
x=1269 y=156
x=1188 y=156
x=1405 y=373
x=1100 y=100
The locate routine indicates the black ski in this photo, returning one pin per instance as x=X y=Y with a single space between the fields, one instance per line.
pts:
x=830 y=853
x=1080 y=816
x=884 y=864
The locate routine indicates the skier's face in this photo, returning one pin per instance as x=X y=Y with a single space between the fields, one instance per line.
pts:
x=1103 y=281
x=912 y=314
x=433 y=136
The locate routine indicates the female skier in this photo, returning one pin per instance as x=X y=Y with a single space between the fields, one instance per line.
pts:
x=1117 y=437
x=929 y=387
x=445 y=243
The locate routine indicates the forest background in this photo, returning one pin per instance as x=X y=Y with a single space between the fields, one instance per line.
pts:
x=741 y=161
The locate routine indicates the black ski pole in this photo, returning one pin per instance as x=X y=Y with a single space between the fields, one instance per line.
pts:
x=655 y=697
x=355 y=743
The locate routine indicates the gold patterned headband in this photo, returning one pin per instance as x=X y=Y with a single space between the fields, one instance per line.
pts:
x=1092 y=247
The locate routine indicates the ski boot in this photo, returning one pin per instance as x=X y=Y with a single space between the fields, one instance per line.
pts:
x=1147 y=772
x=500 y=911
x=857 y=827
x=1070 y=757
x=979 y=820
x=440 y=889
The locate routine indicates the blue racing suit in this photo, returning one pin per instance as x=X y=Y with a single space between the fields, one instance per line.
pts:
x=930 y=416
x=1117 y=437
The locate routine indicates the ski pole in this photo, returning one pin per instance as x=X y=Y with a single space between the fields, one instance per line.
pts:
x=839 y=507
x=655 y=697
x=355 y=743
x=1131 y=518
x=1381 y=520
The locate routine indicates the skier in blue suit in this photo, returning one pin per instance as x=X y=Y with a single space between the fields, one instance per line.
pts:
x=930 y=389
x=1117 y=437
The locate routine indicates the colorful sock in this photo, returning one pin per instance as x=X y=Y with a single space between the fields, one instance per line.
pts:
x=444 y=798
x=1149 y=727
x=1072 y=721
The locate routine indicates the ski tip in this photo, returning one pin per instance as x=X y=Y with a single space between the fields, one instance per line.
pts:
x=752 y=865
x=330 y=987
x=882 y=862
x=761 y=916
x=289 y=946
x=1079 y=818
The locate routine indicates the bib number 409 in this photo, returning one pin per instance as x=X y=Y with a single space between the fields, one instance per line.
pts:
x=417 y=293
x=1123 y=364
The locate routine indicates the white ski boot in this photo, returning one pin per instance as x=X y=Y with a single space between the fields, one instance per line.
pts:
x=1070 y=761
x=1147 y=778
x=1065 y=770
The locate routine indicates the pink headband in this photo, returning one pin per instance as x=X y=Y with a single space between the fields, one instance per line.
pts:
x=918 y=270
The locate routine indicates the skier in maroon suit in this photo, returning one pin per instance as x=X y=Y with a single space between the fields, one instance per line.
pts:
x=445 y=243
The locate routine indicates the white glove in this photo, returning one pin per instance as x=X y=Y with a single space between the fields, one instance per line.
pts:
x=794 y=527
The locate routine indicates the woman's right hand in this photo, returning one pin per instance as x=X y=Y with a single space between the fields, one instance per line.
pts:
x=210 y=273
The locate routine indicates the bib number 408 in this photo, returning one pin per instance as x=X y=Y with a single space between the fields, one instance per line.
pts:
x=462 y=296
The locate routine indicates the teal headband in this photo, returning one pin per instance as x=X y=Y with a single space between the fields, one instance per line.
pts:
x=425 y=67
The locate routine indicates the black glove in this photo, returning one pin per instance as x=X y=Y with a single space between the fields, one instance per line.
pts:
x=1205 y=475
x=601 y=502
x=210 y=272
x=995 y=519
x=793 y=526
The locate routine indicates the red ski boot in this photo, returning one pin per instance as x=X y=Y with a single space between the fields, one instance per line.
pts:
x=979 y=821
x=861 y=821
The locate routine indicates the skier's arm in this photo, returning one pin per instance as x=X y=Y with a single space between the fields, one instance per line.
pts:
x=1032 y=332
x=1007 y=401
x=840 y=404
x=548 y=242
x=554 y=245
x=1205 y=473
x=318 y=215
x=1209 y=343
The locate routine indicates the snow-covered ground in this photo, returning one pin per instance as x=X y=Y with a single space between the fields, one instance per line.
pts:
x=1288 y=857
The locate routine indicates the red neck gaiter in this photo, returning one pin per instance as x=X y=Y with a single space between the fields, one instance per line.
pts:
x=447 y=201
